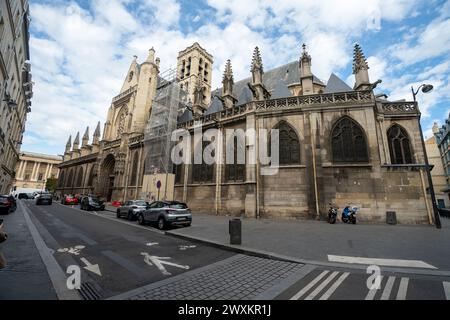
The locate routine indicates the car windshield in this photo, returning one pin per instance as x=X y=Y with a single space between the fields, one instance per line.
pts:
x=140 y=203
x=178 y=206
x=94 y=199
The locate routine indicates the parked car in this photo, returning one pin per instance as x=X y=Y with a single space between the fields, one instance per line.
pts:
x=165 y=214
x=44 y=197
x=89 y=203
x=14 y=202
x=6 y=205
x=131 y=209
x=69 y=199
x=23 y=196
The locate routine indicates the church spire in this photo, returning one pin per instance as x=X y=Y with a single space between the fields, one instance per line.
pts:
x=69 y=144
x=227 y=90
x=76 y=143
x=305 y=63
x=360 y=69
x=257 y=87
x=86 y=137
x=257 y=65
x=97 y=134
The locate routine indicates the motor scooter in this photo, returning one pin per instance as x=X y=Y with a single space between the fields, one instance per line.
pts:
x=349 y=215
x=332 y=214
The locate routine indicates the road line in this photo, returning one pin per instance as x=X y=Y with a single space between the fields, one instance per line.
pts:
x=310 y=285
x=446 y=289
x=388 y=288
x=373 y=292
x=401 y=295
x=381 y=262
x=56 y=273
x=333 y=288
x=322 y=286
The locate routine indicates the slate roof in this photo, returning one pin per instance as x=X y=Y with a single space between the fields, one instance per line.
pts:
x=335 y=84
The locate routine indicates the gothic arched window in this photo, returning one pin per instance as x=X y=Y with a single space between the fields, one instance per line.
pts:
x=91 y=177
x=61 y=179
x=69 y=181
x=289 y=144
x=80 y=178
x=134 y=169
x=399 y=145
x=348 y=142
x=235 y=171
x=203 y=173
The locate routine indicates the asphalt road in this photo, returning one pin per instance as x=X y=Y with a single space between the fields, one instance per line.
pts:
x=115 y=260
x=116 y=248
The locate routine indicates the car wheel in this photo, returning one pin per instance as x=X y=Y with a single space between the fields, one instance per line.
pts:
x=188 y=225
x=130 y=215
x=50 y=203
x=118 y=214
x=141 y=220
x=161 y=223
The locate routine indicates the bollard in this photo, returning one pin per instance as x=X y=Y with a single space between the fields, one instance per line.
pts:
x=236 y=231
x=391 y=217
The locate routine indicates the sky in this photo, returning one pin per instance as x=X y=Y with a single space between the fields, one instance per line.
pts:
x=81 y=50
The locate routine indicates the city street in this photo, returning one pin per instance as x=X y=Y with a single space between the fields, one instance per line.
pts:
x=122 y=260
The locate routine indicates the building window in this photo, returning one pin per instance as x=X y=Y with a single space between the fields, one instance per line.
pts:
x=348 y=142
x=134 y=169
x=203 y=173
x=235 y=171
x=40 y=176
x=399 y=145
x=289 y=144
x=177 y=171
x=80 y=178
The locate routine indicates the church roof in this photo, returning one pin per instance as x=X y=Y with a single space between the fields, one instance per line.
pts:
x=335 y=84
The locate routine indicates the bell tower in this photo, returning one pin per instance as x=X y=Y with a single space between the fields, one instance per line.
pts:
x=195 y=68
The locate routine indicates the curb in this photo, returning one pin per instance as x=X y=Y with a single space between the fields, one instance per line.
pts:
x=275 y=256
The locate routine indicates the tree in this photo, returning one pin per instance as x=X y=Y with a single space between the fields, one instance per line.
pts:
x=51 y=184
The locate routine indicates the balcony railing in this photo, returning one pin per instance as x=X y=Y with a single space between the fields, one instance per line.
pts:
x=400 y=107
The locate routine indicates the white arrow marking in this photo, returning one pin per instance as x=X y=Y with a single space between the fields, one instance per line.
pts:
x=159 y=261
x=91 y=267
x=150 y=244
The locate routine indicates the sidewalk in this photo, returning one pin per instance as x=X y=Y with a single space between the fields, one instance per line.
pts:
x=315 y=240
x=25 y=276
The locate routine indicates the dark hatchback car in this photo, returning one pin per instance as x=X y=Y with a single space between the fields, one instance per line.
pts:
x=165 y=214
x=91 y=203
x=23 y=196
x=7 y=204
x=44 y=197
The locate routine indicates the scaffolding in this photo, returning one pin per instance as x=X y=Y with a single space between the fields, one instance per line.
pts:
x=157 y=140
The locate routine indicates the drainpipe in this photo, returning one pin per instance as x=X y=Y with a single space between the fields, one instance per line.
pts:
x=313 y=146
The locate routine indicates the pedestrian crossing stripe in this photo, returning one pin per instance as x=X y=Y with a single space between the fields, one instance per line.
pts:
x=446 y=290
x=334 y=279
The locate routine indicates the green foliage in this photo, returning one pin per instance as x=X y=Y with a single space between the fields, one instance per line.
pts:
x=51 y=184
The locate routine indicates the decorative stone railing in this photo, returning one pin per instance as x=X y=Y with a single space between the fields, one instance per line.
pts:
x=112 y=144
x=300 y=101
x=338 y=98
x=124 y=94
x=399 y=107
x=137 y=139
x=87 y=158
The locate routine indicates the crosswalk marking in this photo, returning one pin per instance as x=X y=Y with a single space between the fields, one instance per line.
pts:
x=381 y=262
x=309 y=286
x=373 y=292
x=313 y=294
x=446 y=290
x=388 y=288
x=333 y=288
x=401 y=294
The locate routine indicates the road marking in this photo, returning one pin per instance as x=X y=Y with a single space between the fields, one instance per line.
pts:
x=401 y=295
x=91 y=267
x=388 y=288
x=184 y=248
x=310 y=285
x=333 y=288
x=373 y=292
x=322 y=286
x=381 y=262
x=160 y=261
x=446 y=289
x=151 y=244
x=75 y=250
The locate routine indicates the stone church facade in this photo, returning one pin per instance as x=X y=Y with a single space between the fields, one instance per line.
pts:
x=340 y=145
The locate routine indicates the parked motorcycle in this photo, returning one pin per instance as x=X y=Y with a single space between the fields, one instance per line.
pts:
x=332 y=214
x=349 y=215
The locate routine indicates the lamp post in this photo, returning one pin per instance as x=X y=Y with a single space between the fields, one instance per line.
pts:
x=437 y=220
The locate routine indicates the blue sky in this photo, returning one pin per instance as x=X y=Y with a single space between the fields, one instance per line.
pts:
x=81 y=49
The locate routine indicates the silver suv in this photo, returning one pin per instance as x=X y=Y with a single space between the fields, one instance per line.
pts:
x=131 y=209
x=165 y=214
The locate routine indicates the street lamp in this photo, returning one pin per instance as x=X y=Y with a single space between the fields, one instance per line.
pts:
x=426 y=88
